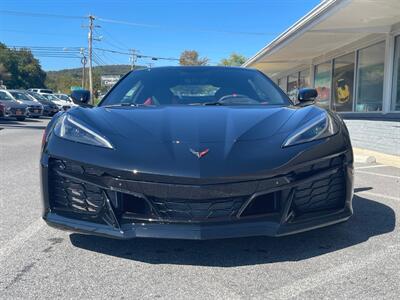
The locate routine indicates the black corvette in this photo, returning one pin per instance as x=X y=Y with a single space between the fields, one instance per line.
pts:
x=196 y=153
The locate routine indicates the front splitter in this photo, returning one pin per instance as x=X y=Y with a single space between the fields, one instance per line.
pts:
x=196 y=231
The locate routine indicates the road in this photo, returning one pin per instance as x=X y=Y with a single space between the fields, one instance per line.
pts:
x=357 y=259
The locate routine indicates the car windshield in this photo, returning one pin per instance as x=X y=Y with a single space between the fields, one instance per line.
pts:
x=37 y=96
x=46 y=91
x=4 y=96
x=50 y=97
x=62 y=97
x=195 y=86
x=20 y=96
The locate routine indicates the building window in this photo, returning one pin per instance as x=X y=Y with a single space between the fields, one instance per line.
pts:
x=292 y=86
x=322 y=82
x=282 y=83
x=370 y=78
x=304 y=79
x=396 y=76
x=343 y=79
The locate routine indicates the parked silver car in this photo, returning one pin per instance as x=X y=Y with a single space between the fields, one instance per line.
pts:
x=35 y=108
x=10 y=108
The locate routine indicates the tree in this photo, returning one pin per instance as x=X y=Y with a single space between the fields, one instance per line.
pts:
x=234 y=59
x=19 y=69
x=191 y=58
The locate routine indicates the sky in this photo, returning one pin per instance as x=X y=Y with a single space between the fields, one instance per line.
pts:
x=161 y=28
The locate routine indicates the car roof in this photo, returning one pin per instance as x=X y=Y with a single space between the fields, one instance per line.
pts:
x=196 y=68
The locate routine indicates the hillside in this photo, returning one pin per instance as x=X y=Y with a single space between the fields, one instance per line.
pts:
x=62 y=80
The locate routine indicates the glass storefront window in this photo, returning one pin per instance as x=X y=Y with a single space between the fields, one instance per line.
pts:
x=322 y=83
x=304 y=79
x=370 y=78
x=282 y=83
x=343 y=77
x=292 y=86
x=396 y=76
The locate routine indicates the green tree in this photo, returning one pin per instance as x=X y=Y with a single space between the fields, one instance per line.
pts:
x=192 y=58
x=20 y=69
x=234 y=59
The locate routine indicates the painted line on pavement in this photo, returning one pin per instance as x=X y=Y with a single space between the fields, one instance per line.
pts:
x=378 y=174
x=379 y=195
x=368 y=167
x=14 y=244
x=336 y=273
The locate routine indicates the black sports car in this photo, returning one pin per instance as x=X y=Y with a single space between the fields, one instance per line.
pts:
x=196 y=153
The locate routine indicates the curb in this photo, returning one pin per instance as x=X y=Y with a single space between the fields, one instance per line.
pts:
x=370 y=157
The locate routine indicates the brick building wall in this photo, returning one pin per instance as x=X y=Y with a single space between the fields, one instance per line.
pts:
x=376 y=135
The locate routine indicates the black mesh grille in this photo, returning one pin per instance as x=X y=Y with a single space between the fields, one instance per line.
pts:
x=69 y=195
x=185 y=210
x=322 y=194
x=164 y=203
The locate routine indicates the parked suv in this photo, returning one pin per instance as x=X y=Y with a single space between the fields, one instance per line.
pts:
x=41 y=91
x=35 y=109
x=49 y=108
x=10 y=108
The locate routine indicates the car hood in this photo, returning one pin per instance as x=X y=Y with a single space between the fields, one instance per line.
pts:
x=12 y=103
x=186 y=124
x=27 y=102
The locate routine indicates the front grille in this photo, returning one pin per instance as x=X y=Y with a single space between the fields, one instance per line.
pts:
x=70 y=195
x=33 y=108
x=14 y=110
x=197 y=210
x=90 y=191
x=321 y=194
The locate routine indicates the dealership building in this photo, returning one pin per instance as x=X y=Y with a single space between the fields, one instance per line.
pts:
x=349 y=50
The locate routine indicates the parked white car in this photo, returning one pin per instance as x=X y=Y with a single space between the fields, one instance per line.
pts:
x=41 y=91
x=64 y=97
x=61 y=104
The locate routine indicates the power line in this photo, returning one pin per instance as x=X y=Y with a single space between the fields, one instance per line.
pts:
x=143 y=25
x=32 y=14
x=139 y=55
x=164 y=28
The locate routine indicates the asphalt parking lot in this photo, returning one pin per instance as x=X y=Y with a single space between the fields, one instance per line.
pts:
x=356 y=259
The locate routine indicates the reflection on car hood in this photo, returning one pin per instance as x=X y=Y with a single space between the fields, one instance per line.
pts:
x=187 y=123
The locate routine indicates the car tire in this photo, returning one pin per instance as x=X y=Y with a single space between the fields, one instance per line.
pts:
x=20 y=118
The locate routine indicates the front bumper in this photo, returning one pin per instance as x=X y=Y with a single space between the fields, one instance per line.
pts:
x=313 y=195
x=14 y=112
x=197 y=231
x=34 y=112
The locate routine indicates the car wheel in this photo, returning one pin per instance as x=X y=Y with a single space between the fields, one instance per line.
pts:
x=20 y=118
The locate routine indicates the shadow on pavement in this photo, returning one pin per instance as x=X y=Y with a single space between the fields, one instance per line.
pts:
x=26 y=124
x=370 y=219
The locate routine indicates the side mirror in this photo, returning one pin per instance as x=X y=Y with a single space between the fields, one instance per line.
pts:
x=307 y=95
x=81 y=98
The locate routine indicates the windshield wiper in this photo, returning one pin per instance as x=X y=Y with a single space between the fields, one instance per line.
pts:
x=121 y=105
x=213 y=103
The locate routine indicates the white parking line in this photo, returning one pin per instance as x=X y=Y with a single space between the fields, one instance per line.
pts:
x=368 y=167
x=378 y=174
x=336 y=273
x=13 y=245
x=379 y=195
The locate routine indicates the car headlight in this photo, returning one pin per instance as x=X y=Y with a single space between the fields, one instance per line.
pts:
x=70 y=128
x=319 y=127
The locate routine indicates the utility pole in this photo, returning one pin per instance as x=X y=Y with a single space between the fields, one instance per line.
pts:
x=90 y=40
x=83 y=61
x=133 y=57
